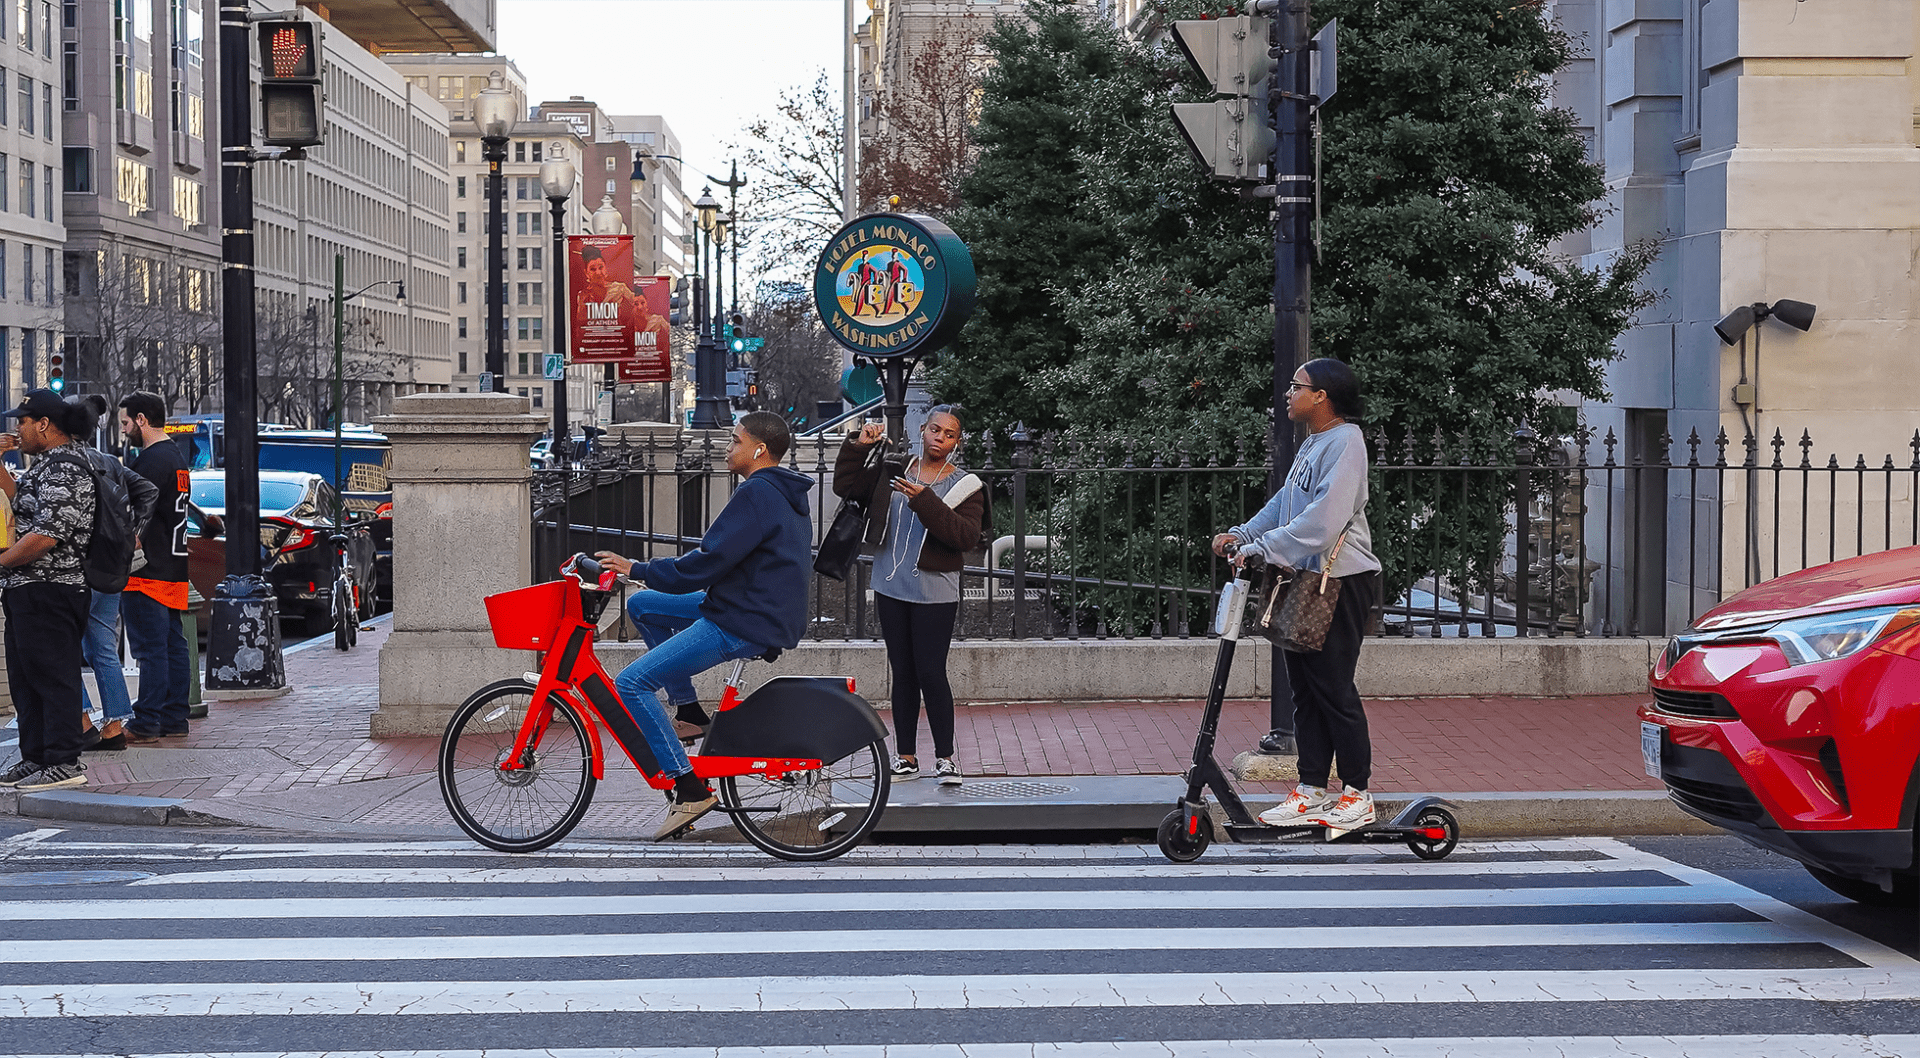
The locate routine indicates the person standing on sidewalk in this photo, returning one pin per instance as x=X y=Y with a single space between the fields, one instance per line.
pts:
x=931 y=516
x=156 y=595
x=740 y=594
x=101 y=647
x=45 y=592
x=1321 y=509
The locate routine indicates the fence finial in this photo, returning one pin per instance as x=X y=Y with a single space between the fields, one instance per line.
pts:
x=1806 y=448
x=1523 y=444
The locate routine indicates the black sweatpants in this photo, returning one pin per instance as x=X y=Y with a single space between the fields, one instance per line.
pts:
x=44 y=626
x=1326 y=705
x=918 y=635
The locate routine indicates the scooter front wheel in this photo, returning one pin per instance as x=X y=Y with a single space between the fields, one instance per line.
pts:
x=1178 y=845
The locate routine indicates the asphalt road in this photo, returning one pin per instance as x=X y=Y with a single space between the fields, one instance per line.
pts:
x=225 y=943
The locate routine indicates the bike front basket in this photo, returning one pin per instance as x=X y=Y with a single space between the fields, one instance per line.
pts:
x=529 y=618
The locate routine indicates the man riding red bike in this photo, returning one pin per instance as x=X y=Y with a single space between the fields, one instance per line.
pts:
x=741 y=594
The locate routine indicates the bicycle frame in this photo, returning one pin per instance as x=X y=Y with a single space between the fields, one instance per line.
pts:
x=572 y=672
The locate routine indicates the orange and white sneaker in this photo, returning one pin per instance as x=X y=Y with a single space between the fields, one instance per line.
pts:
x=1353 y=810
x=1301 y=806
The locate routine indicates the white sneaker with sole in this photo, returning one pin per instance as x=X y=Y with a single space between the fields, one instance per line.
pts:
x=946 y=771
x=1353 y=810
x=682 y=814
x=1299 y=807
x=905 y=769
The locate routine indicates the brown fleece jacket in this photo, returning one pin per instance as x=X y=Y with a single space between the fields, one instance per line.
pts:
x=951 y=531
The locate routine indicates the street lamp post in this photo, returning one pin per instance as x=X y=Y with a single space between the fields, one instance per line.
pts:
x=556 y=179
x=710 y=410
x=493 y=111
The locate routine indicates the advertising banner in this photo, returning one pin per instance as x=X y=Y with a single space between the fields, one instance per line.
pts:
x=603 y=302
x=652 y=357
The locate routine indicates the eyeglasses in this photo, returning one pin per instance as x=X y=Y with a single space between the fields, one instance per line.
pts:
x=1292 y=386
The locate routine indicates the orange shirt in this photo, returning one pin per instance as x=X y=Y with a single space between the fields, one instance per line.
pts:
x=171 y=594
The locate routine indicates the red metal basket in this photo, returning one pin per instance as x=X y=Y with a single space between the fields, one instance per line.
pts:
x=530 y=618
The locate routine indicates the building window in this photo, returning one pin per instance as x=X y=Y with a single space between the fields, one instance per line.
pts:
x=46 y=107
x=26 y=191
x=460 y=186
x=536 y=222
x=522 y=292
x=186 y=202
x=521 y=335
x=536 y=293
x=49 y=274
x=460 y=222
x=463 y=353
x=459 y=150
x=520 y=151
x=133 y=185
x=26 y=274
x=609 y=163
x=462 y=288
x=70 y=73
x=72 y=267
x=463 y=334
x=460 y=256
x=26 y=104
x=46 y=189
x=520 y=258
x=77 y=165
x=538 y=393
x=3 y=90
x=519 y=223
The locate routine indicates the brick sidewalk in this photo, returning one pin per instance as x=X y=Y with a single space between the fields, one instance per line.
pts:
x=315 y=738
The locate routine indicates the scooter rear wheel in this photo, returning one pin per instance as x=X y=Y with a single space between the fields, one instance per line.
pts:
x=1435 y=818
x=1178 y=845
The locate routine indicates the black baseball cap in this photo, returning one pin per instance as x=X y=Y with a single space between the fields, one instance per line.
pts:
x=39 y=404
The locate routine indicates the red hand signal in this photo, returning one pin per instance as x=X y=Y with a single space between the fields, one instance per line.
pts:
x=289 y=51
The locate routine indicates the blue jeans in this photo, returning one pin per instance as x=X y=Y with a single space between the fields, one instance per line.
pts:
x=680 y=643
x=100 y=645
x=160 y=646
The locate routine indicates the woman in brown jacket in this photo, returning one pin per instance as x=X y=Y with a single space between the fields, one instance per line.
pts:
x=923 y=523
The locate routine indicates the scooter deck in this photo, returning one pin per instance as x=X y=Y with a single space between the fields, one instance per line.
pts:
x=1318 y=833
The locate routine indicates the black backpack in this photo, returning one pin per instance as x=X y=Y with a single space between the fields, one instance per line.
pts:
x=123 y=501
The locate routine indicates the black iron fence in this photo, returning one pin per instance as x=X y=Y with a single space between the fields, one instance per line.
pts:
x=1580 y=535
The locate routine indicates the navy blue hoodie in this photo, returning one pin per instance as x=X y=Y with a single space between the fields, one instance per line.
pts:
x=753 y=562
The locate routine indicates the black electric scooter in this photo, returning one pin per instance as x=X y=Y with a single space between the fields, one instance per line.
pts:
x=1427 y=826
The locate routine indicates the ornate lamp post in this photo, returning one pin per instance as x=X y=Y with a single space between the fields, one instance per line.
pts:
x=710 y=410
x=556 y=179
x=606 y=221
x=493 y=111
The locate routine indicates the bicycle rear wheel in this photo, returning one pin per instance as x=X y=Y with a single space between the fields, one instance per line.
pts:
x=527 y=808
x=346 y=617
x=812 y=815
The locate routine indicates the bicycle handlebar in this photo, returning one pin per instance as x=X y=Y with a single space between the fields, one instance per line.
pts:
x=590 y=573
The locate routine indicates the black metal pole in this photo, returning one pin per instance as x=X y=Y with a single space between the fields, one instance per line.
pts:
x=1291 y=101
x=243 y=649
x=494 y=151
x=710 y=411
x=562 y=334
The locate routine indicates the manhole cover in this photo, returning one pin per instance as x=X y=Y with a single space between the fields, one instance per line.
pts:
x=71 y=877
x=1014 y=788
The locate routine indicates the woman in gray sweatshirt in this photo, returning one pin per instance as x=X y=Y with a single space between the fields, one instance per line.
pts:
x=1320 y=515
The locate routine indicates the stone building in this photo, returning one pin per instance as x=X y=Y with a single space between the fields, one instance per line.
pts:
x=1768 y=148
x=31 y=214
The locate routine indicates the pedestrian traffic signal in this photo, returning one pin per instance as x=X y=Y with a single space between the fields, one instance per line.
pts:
x=57 y=371
x=1233 y=137
x=290 y=93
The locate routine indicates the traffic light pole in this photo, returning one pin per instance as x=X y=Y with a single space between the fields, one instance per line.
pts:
x=1290 y=98
x=243 y=648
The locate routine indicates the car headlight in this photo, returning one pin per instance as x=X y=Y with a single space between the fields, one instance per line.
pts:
x=1829 y=637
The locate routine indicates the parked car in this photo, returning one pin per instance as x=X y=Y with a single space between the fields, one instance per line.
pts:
x=1790 y=716
x=365 y=458
x=296 y=518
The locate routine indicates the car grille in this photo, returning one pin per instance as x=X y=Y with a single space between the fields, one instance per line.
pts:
x=1716 y=800
x=1703 y=704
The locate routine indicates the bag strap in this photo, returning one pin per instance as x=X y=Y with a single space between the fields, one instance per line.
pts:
x=962 y=489
x=1326 y=569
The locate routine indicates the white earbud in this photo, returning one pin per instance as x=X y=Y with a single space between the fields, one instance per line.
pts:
x=760 y=451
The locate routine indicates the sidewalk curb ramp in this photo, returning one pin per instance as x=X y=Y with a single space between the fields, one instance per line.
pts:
x=80 y=806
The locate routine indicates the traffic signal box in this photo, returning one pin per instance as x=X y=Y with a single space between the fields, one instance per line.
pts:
x=290 y=94
x=1233 y=137
x=57 y=371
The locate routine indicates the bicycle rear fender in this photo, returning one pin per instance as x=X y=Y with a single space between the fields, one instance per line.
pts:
x=795 y=716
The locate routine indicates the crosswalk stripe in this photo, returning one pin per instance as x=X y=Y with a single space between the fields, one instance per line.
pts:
x=918 y=900
x=957 y=992
x=337 y=949
x=1746 y=1046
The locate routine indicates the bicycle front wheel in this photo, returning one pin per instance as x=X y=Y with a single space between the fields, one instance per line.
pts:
x=346 y=618
x=527 y=808
x=812 y=815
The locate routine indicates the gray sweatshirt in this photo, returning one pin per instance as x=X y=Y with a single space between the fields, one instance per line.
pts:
x=1325 y=494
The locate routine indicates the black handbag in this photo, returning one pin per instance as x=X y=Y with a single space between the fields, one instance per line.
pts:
x=840 y=544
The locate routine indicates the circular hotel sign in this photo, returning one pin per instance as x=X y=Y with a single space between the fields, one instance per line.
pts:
x=894 y=284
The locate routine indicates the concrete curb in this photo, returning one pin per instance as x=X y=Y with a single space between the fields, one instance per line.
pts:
x=79 y=806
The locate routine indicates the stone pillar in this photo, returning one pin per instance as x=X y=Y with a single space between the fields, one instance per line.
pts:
x=462 y=530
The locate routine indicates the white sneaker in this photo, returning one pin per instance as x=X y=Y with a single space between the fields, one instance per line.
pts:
x=1353 y=810
x=1299 y=807
x=905 y=769
x=946 y=771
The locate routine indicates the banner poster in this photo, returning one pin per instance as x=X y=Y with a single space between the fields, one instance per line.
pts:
x=604 y=303
x=652 y=359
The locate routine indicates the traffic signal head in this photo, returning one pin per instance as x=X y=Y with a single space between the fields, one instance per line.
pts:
x=677 y=305
x=290 y=94
x=57 y=371
x=1231 y=53
x=1229 y=136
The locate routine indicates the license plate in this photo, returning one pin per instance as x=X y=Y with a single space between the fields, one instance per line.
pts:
x=1650 y=747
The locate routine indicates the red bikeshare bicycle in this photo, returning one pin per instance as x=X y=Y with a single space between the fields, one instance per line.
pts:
x=800 y=764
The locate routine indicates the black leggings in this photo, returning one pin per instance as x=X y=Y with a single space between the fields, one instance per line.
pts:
x=1326 y=704
x=918 y=635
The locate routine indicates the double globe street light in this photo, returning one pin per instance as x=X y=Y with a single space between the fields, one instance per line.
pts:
x=557 y=177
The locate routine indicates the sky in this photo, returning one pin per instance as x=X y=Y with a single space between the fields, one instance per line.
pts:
x=708 y=66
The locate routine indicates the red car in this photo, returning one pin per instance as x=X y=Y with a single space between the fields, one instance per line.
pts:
x=1790 y=715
